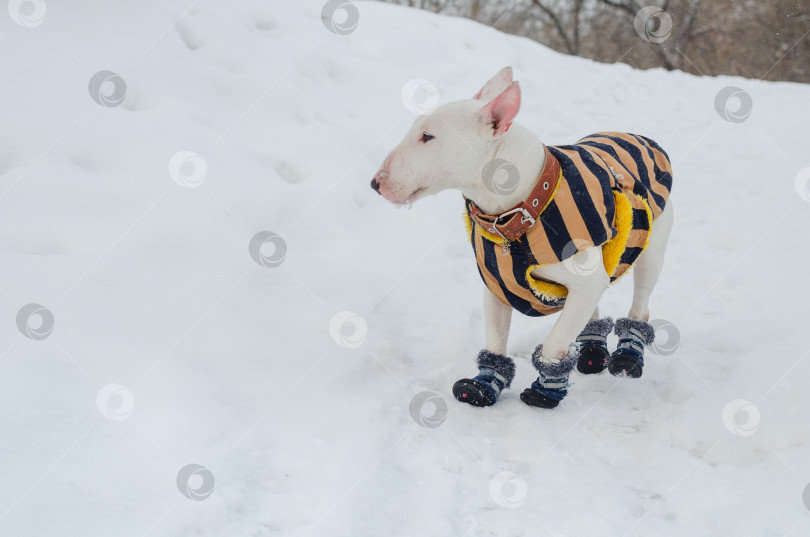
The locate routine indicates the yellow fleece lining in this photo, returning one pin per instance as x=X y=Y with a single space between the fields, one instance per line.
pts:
x=545 y=291
x=612 y=250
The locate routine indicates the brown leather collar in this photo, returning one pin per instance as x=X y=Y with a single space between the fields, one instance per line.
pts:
x=513 y=223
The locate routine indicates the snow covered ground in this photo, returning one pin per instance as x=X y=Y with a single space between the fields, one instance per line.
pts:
x=178 y=339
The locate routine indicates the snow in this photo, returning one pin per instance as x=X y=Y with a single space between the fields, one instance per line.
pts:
x=225 y=363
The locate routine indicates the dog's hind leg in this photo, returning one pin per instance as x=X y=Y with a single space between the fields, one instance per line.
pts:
x=634 y=331
x=495 y=369
x=648 y=265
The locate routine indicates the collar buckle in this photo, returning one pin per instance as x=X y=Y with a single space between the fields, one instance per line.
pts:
x=526 y=217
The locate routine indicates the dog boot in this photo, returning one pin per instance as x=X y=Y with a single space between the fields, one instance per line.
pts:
x=627 y=360
x=552 y=384
x=495 y=373
x=593 y=350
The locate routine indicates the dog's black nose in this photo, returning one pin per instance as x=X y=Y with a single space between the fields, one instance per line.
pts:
x=375 y=185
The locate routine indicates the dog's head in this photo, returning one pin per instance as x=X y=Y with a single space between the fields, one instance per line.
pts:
x=449 y=147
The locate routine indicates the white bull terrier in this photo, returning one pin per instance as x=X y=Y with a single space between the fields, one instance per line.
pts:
x=564 y=223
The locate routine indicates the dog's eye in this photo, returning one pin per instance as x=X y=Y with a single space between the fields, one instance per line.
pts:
x=426 y=137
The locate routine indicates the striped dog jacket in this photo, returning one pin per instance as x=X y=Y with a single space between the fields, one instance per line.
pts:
x=612 y=186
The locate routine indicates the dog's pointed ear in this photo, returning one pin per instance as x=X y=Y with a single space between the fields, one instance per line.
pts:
x=501 y=111
x=495 y=85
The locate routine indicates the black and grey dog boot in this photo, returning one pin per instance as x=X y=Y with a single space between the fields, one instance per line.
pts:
x=627 y=360
x=593 y=350
x=495 y=373
x=552 y=384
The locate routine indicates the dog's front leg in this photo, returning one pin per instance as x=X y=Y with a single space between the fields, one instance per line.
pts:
x=495 y=369
x=497 y=319
x=585 y=278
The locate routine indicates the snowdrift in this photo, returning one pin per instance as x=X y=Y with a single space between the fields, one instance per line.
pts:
x=217 y=285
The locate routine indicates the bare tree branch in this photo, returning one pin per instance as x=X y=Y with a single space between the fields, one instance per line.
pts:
x=632 y=10
x=557 y=22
